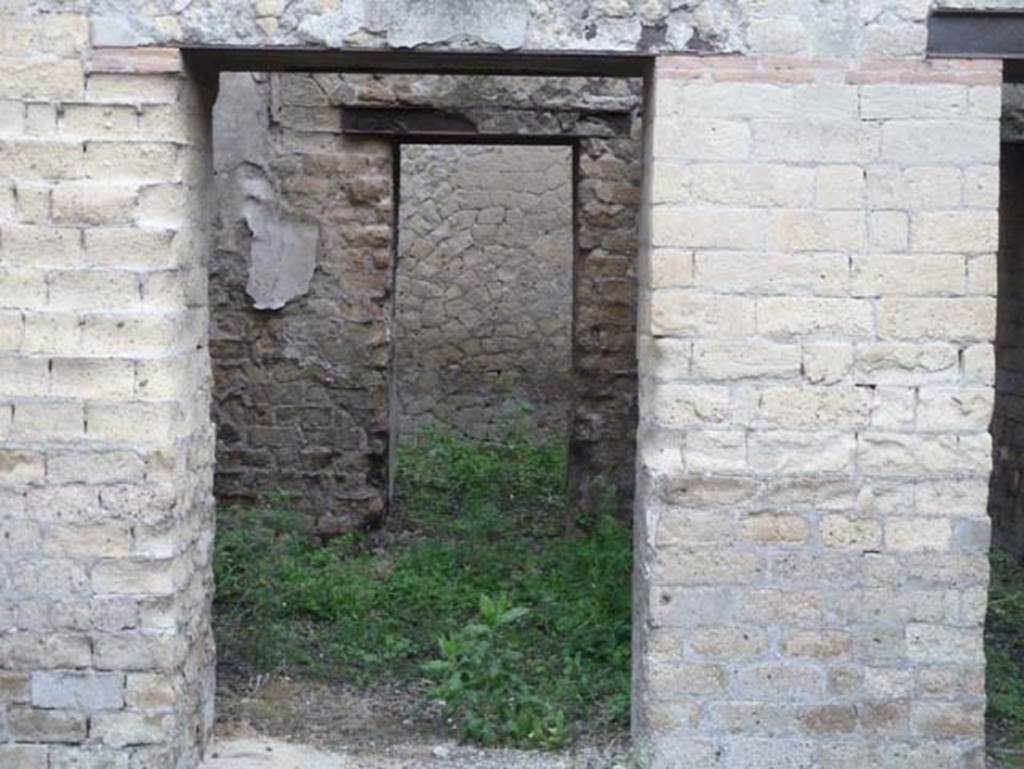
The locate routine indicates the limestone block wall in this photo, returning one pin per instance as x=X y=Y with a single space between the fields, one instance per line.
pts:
x=816 y=360
x=106 y=448
x=484 y=289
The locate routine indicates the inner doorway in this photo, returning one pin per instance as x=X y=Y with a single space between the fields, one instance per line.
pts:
x=484 y=289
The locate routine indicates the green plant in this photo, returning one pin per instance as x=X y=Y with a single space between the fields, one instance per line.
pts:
x=479 y=519
x=1004 y=650
x=478 y=678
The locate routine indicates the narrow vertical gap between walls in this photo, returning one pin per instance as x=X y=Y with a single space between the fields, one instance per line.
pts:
x=572 y=481
x=393 y=410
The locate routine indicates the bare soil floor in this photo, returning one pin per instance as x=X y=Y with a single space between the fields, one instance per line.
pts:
x=278 y=722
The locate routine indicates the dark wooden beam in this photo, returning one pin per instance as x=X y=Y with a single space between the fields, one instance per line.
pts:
x=539 y=63
x=976 y=34
x=409 y=121
x=426 y=122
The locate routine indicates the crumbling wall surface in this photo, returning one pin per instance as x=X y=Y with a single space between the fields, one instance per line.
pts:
x=1006 y=497
x=602 y=438
x=300 y=290
x=816 y=386
x=302 y=385
x=484 y=287
x=558 y=106
x=106 y=510
x=767 y=27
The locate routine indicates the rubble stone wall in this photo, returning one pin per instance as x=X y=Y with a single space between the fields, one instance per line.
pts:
x=302 y=285
x=301 y=396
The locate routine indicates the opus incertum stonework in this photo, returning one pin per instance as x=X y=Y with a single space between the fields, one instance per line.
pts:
x=816 y=300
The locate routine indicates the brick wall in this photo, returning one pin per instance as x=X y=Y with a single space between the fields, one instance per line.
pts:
x=816 y=385
x=105 y=442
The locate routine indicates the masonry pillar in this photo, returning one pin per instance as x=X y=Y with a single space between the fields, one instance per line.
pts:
x=817 y=310
x=105 y=438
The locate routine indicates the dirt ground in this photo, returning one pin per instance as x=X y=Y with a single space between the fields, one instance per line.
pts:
x=278 y=722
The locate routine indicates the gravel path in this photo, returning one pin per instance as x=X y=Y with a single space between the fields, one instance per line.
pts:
x=256 y=752
x=286 y=723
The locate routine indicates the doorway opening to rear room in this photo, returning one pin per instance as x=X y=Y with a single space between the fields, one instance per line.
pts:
x=423 y=310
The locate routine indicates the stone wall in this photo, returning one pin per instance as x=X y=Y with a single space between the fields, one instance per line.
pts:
x=484 y=284
x=816 y=385
x=766 y=27
x=106 y=449
x=301 y=397
x=302 y=288
x=814 y=456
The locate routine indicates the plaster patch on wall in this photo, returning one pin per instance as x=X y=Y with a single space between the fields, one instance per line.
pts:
x=282 y=256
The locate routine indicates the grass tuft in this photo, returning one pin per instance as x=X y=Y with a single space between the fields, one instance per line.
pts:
x=524 y=629
x=1004 y=650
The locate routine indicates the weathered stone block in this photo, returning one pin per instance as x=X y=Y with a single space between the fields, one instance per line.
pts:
x=684 y=314
x=769 y=529
x=702 y=139
x=709 y=451
x=966 y=319
x=845 y=533
x=94 y=203
x=917 y=534
x=96 y=540
x=916 y=188
x=129 y=728
x=145 y=691
x=46 y=726
x=41 y=246
x=685 y=227
x=898 y=275
x=955 y=231
x=77 y=691
x=816 y=231
x=803 y=317
x=729 y=642
x=135 y=577
x=795 y=453
x=133 y=89
x=724 y=361
x=773 y=274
